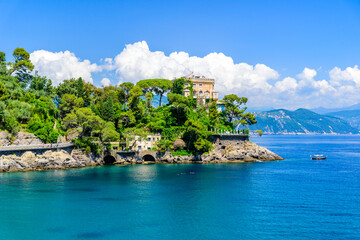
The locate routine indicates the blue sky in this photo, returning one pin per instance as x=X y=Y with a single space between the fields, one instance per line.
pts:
x=286 y=36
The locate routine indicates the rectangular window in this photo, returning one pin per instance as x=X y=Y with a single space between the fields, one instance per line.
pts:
x=194 y=85
x=153 y=139
x=200 y=85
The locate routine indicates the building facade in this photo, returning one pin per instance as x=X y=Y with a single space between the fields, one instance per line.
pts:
x=140 y=144
x=203 y=88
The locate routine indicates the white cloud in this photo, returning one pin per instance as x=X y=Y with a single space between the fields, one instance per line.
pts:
x=106 y=82
x=261 y=84
x=307 y=74
x=59 y=66
x=287 y=84
x=137 y=62
x=349 y=76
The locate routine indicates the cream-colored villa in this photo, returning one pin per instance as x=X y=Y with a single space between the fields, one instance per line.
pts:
x=139 y=144
x=203 y=87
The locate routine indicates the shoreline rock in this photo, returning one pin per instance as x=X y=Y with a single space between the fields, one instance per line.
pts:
x=52 y=159
x=247 y=152
x=49 y=160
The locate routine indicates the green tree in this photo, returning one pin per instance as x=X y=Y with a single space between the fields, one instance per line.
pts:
x=235 y=112
x=107 y=110
x=80 y=88
x=11 y=125
x=68 y=86
x=157 y=86
x=134 y=97
x=109 y=133
x=41 y=86
x=178 y=85
x=3 y=70
x=149 y=96
x=22 y=66
x=196 y=136
x=2 y=89
x=161 y=87
x=20 y=110
x=213 y=114
x=69 y=102
x=179 y=107
x=43 y=129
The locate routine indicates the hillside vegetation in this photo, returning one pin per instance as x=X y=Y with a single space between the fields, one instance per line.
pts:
x=351 y=116
x=91 y=116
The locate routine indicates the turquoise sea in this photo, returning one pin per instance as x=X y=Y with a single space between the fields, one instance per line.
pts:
x=292 y=199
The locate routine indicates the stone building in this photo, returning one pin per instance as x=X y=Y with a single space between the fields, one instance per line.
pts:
x=139 y=144
x=203 y=88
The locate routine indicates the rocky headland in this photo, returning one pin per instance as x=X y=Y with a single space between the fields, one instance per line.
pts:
x=30 y=161
x=248 y=152
x=61 y=159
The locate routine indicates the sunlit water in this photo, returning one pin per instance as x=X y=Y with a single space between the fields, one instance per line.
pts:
x=292 y=199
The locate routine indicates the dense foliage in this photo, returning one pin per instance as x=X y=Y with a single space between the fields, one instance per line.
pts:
x=29 y=102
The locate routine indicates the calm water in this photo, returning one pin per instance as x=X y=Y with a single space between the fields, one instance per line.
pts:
x=292 y=199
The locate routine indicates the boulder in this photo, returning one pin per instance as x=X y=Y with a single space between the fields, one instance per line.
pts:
x=23 y=138
x=4 y=138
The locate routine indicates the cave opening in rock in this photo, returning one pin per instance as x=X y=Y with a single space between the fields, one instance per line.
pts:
x=109 y=160
x=148 y=158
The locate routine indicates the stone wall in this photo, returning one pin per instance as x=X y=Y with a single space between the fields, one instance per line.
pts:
x=222 y=141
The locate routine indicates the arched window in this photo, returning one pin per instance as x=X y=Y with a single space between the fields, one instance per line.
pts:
x=200 y=93
x=207 y=94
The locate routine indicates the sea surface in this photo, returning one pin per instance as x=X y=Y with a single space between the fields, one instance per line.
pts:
x=296 y=198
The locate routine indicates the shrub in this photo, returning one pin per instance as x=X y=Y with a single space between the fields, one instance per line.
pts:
x=179 y=144
x=182 y=152
x=88 y=144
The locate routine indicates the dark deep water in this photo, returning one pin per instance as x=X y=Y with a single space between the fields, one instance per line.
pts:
x=292 y=199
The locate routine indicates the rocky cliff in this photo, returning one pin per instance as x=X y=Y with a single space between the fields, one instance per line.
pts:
x=247 y=152
x=49 y=160
x=52 y=159
x=21 y=138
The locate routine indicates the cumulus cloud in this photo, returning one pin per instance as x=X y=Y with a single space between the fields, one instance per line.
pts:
x=137 y=62
x=106 y=82
x=62 y=65
x=349 y=76
x=286 y=85
x=260 y=83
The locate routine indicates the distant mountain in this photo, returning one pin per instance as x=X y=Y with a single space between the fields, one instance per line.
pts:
x=322 y=110
x=301 y=121
x=351 y=116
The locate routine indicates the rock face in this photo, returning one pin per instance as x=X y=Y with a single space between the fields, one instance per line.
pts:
x=46 y=161
x=52 y=159
x=248 y=152
x=4 y=138
x=21 y=138
x=244 y=152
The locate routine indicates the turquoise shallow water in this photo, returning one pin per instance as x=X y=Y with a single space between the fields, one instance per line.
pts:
x=292 y=199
